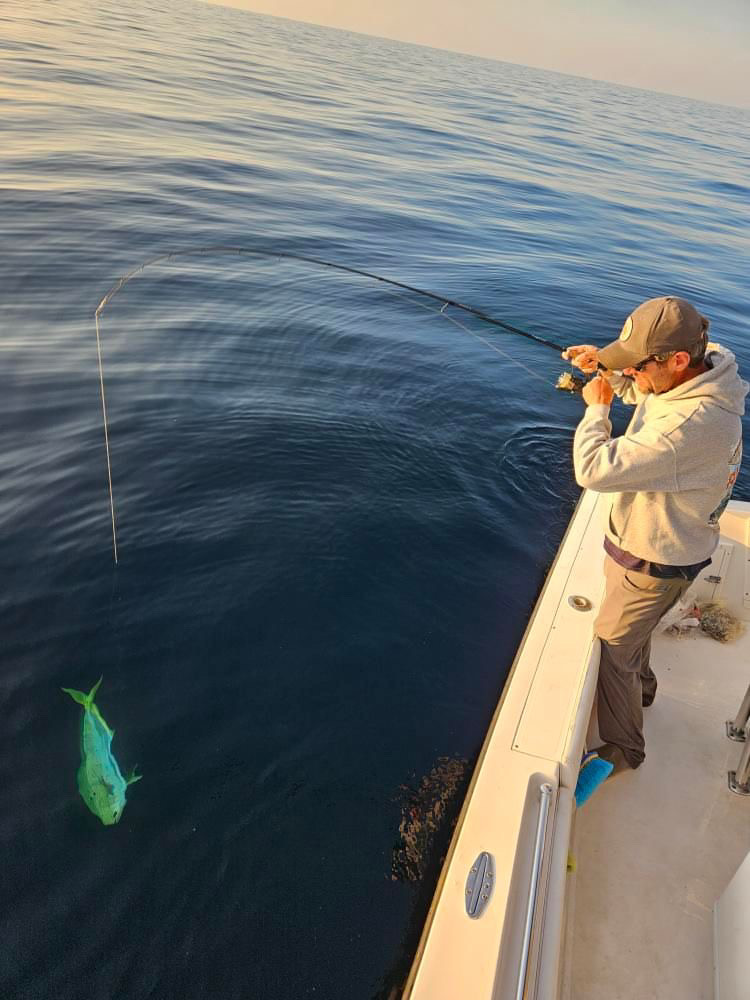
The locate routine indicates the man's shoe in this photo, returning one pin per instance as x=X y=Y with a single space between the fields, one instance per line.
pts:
x=593 y=772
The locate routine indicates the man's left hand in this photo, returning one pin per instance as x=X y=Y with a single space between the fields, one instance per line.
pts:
x=598 y=390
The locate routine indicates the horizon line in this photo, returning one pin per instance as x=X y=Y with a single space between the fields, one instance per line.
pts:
x=484 y=58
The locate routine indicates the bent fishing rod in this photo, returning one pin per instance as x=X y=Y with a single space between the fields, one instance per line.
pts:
x=444 y=300
x=284 y=255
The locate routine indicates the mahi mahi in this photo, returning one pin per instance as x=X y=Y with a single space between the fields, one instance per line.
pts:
x=100 y=780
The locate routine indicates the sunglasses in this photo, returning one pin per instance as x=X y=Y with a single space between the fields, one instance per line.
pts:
x=647 y=361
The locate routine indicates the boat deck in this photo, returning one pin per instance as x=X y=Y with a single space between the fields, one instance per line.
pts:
x=655 y=848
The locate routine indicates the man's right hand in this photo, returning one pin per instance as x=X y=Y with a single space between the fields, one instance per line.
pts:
x=586 y=358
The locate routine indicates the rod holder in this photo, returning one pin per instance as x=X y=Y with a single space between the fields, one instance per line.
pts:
x=739 y=780
x=736 y=728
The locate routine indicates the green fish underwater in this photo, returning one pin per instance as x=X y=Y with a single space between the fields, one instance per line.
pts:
x=100 y=780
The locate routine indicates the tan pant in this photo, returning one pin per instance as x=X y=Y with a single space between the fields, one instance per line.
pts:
x=632 y=607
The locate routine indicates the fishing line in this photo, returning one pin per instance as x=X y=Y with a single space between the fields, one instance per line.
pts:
x=106 y=430
x=476 y=336
x=284 y=255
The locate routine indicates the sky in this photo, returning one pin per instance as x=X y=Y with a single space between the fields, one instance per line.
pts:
x=695 y=48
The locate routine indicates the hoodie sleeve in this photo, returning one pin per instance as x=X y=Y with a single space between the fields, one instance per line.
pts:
x=646 y=461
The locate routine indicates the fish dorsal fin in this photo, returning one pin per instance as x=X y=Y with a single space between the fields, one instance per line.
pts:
x=95 y=712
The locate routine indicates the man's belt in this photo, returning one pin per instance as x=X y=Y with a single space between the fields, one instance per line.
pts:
x=661 y=570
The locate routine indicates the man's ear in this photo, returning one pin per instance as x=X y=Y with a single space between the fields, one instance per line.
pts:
x=681 y=360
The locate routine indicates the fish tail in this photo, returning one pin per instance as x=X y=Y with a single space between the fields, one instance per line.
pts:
x=133 y=777
x=94 y=689
x=78 y=696
x=87 y=700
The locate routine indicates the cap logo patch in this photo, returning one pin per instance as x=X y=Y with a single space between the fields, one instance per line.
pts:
x=627 y=329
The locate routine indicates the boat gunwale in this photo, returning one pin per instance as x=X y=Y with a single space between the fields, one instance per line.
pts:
x=440 y=885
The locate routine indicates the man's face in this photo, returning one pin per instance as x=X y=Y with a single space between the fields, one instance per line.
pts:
x=659 y=376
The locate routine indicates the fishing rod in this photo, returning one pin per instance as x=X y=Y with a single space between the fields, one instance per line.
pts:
x=444 y=300
x=284 y=255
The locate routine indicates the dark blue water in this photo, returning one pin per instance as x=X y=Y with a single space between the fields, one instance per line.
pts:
x=335 y=508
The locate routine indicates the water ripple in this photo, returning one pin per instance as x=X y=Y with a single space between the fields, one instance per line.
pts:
x=334 y=508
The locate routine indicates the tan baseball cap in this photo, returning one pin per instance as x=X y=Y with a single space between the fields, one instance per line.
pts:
x=658 y=326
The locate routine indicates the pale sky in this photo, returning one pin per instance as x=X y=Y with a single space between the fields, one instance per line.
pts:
x=696 y=48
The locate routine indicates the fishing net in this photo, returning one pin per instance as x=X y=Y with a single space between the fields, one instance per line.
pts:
x=712 y=618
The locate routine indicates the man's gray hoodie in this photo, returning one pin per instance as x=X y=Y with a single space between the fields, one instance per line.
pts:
x=672 y=472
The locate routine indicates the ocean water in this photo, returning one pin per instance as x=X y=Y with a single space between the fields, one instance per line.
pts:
x=335 y=507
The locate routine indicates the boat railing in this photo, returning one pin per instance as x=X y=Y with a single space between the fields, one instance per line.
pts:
x=738 y=729
x=545 y=798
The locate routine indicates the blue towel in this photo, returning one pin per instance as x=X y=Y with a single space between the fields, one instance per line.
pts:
x=593 y=772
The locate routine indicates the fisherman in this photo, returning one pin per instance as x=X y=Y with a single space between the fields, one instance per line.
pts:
x=669 y=476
